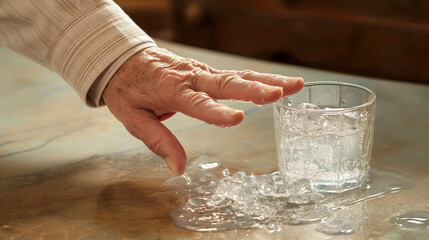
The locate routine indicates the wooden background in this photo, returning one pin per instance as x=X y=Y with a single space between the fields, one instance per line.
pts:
x=383 y=38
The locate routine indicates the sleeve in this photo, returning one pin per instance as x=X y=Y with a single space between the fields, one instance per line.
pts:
x=84 y=41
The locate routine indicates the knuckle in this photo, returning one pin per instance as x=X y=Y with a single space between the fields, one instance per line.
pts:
x=197 y=64
x=226 y=81
x=203 y=66
x=253 y=85
x=247 y=73
x=180 y=64
x=198 y=99
x=271 y=78
x=171 y=79
x=180 y=72
x=212 y=70
x=195 y=77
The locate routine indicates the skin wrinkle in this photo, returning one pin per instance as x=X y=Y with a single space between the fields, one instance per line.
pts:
x=223 y=83
x=180 y=65
x=156 y=145
x=196 y=99
x=197 y=73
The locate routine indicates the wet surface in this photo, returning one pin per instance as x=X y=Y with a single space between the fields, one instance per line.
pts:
x=70 y=172
x=269 y=202
x=412 y=220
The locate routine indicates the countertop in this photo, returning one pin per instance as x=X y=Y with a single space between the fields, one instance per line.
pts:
x=72 y=172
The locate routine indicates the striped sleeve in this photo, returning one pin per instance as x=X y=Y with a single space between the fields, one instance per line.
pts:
x=84 y=41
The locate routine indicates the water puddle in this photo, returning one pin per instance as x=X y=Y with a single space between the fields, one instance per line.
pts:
x=412 y=220
x=343 y=221
x=241 y=201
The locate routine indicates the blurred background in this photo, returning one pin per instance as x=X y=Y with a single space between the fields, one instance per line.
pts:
x=383 y=38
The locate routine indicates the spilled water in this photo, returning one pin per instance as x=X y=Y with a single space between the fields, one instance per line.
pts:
x=412 y=220
x=241 y=201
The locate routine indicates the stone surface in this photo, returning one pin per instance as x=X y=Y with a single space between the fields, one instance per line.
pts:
x=71 y=172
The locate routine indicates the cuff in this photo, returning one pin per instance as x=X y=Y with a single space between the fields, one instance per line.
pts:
x=93 y=46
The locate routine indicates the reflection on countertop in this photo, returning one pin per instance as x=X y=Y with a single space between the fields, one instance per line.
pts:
x=71 y=172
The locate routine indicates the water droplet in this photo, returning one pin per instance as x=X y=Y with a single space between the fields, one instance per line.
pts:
x=187 y=179
x=225 y=172
x=208 y=165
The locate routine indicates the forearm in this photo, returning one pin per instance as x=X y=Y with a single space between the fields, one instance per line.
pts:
x=83 y=41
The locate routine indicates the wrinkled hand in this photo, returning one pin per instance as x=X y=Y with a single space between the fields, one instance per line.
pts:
x=155 y=83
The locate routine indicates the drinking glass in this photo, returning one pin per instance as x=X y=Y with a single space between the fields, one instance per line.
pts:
x=324 y=133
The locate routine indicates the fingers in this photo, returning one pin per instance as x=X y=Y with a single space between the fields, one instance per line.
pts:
x=146 y=127
x=201 y=106
x=229 y=86
x=290 y=85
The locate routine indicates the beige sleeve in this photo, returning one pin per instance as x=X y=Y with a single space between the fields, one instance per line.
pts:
x=84 y=41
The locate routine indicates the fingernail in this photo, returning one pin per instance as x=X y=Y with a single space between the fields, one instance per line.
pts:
x=173 y=168
x=234 y=117
x=273 y=94
x=238 y=112
x=294 y=80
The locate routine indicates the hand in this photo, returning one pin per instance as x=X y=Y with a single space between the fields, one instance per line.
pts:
x=155 y=83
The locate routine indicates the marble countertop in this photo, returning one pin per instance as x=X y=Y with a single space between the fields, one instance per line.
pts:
x=71 y=172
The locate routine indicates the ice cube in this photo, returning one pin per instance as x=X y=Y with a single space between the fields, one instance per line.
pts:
x=278 y=179
x=324 y=156
x=267 y=188
x=351 y=122
x=239 y=177
x=300 y=187
x=204 y=189
x=301 y=198
x=305 y=120
x=251 y=179
x=273 y=227
x=282 y=190
x=307 y=106
x=245 y=195
x=258 y=180
x=197 y=201
x=216 y=199
x=223 y=186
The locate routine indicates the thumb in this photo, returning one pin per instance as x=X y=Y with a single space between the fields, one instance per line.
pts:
x=158 y=138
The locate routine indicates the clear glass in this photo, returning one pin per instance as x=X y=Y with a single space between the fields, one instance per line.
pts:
x=324 y=133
